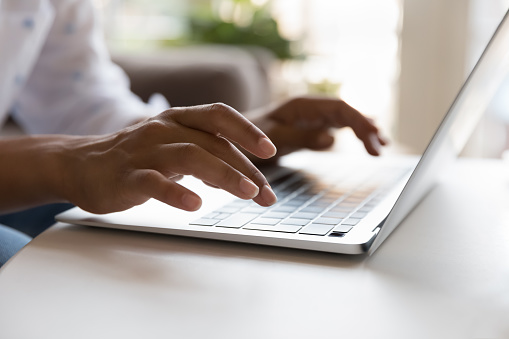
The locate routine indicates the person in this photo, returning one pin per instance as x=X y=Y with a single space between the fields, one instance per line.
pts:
x=94 y=144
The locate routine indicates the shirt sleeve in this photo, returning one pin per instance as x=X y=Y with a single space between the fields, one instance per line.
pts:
x=74 y=87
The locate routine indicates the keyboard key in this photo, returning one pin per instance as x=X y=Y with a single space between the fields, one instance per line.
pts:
x=255 y=209
x=351 y=221
x=282 y=178
x=277 y=215
x=305 y=197
x=211 y=215
x=316 y=229
x=345 y=209
x=342 y=229
x=286 y=228
x=205 y=222
x=239 y=203
x=284 y=209
x=327 y=201
x=328 y=221
x=352 y=200
x=347 y=204
x=312 y=209
x=370 y=204
x=338 y=215
x=358 y=215
x=228 y=209
x=359 y=195
x=295 y=186
x=334 y=194
x=221 y=216
x=237 y=220
x=293 y=202
x=298 y=222
x=300 y=198
x=266 y=221
x=277 y=228
x=304 y=215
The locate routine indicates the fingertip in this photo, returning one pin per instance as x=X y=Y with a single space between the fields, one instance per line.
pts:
x=249 y=188
x=374 y=145
x=267 y=147
x=268 y=195
x=383 y=140
x=191 y=202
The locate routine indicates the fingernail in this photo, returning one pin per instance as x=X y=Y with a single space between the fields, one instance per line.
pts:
x=191 y=202
x=267 y=147
x=248 y=188
x=268 y=195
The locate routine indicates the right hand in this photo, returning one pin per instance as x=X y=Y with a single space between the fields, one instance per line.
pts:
x=111 y=173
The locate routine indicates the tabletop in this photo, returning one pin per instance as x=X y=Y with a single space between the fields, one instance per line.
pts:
x=444 y=273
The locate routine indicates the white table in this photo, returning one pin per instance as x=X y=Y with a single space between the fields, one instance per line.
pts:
x=438 y=276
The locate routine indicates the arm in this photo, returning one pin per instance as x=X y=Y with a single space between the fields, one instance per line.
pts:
x=114 y=172
x=74 y=88
x=29 y=171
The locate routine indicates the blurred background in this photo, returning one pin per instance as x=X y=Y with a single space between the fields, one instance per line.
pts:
x=399 y=61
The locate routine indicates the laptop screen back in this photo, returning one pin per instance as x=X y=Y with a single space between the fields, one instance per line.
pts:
x=456 y=127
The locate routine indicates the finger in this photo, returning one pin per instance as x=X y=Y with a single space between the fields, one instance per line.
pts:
x=383 y=140
x=373 y=146
x=363 y=127
x=220 y=119
x=191 y=159
x=226 y=151
x=331 y=113
x=340 y=114
x=152 y=184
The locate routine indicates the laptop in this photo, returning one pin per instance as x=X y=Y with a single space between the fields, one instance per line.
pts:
x=325 y=202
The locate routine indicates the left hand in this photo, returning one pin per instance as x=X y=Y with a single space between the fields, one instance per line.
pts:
x=306 y=122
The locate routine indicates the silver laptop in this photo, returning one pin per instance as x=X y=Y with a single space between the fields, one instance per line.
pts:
x=326 y=202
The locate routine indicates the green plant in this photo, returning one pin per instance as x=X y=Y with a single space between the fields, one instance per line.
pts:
x=243 y=24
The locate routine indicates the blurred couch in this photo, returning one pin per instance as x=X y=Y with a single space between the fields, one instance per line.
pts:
x=186 y=76
x=197 y=75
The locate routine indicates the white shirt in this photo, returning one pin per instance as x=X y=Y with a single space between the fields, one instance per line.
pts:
x=56 y=75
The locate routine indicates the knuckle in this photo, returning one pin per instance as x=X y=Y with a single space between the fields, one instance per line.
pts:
x=153 y=127
x=189 y=150
x=220 y=111
x=188 y=155
x=219 y=106
x=222 y=146
x=228 y=176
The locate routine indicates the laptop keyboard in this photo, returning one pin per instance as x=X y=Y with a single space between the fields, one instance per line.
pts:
x=307 y=205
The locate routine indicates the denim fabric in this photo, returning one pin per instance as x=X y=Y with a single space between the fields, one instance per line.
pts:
x=34 y=220
x=17 y=229
x=11 y=241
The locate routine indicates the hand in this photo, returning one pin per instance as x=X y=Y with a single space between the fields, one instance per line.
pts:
x=306 y=123
x=115 y=172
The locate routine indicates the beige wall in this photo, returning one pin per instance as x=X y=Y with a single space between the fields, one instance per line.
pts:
x=433 y=66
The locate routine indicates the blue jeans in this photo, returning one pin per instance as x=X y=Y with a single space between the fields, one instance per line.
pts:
x=11 y=241
x=17 y=229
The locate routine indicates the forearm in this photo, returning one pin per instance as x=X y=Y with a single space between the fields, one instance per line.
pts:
x=30 y=171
